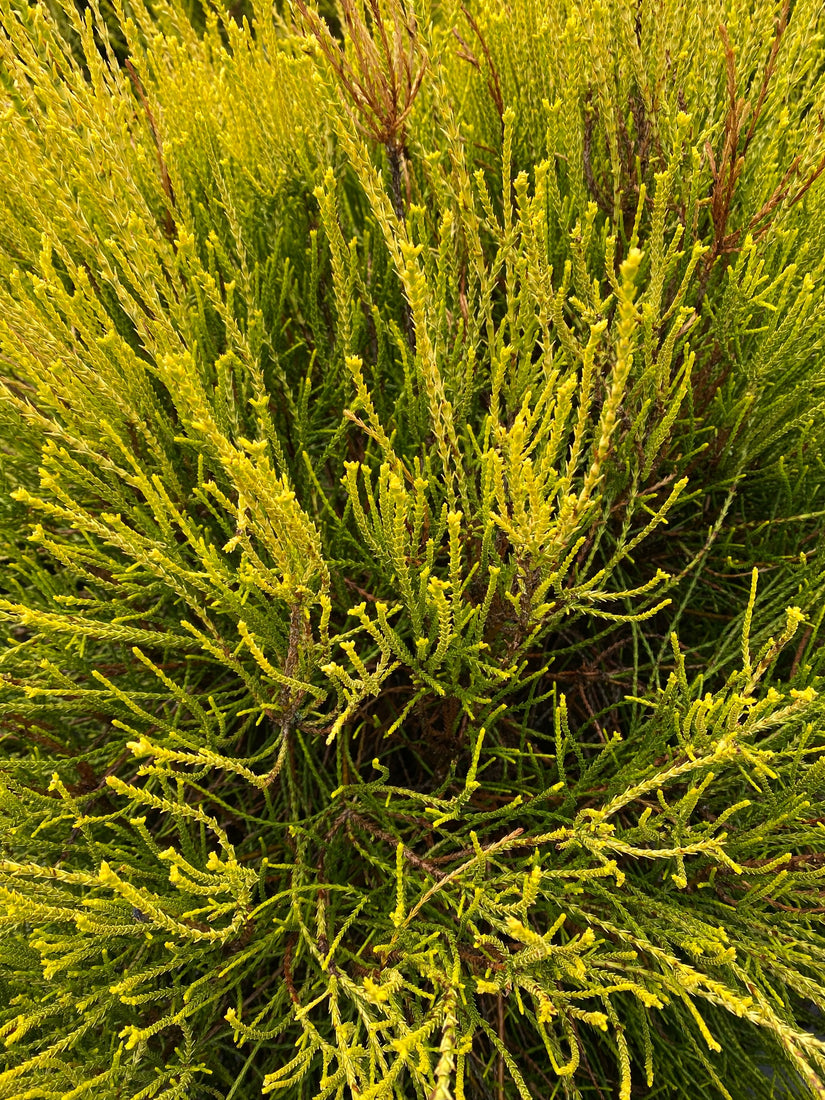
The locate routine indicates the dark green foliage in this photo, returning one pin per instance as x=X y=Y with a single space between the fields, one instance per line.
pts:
x=411 y=560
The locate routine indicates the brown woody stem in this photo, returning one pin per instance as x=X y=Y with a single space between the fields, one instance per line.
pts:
x=396 y=156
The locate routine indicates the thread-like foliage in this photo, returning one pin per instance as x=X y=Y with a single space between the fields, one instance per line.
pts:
x=411 y=559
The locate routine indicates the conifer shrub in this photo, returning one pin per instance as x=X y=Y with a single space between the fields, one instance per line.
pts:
x=411 y=559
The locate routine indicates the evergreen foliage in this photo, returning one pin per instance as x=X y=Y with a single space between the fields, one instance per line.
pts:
x=411 y=559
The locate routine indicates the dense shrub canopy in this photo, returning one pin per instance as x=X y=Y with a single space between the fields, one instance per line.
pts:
x=411 y=560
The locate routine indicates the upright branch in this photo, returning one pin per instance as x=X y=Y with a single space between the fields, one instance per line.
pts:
x=466 y=54
x=168 y=219
x=736 y=142
x=380 y=75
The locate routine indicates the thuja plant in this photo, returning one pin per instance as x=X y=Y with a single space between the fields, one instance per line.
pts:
x=411 y=559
